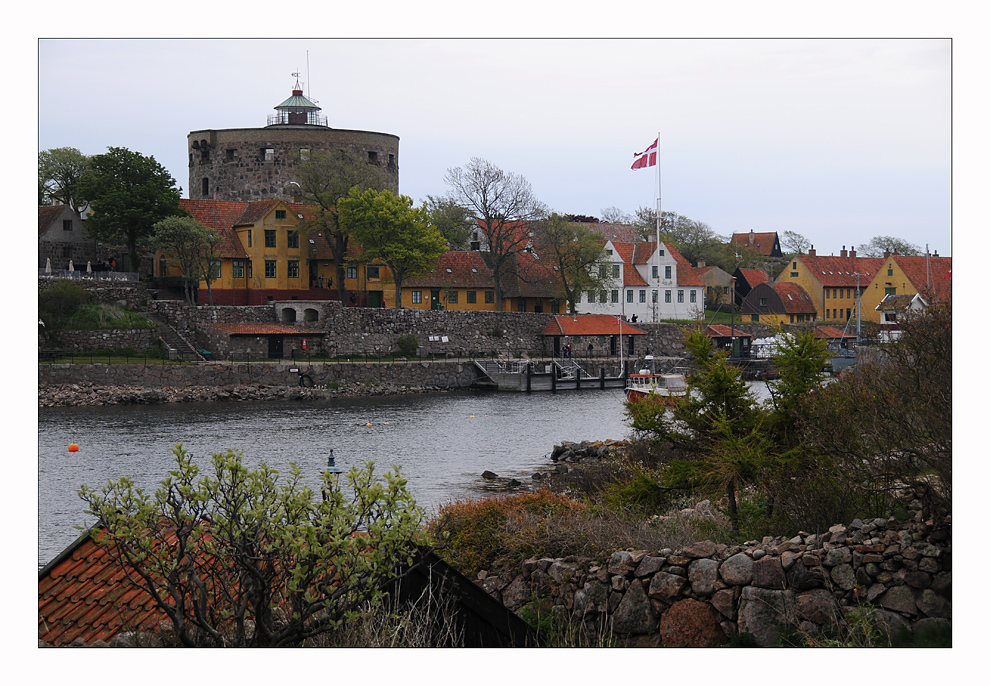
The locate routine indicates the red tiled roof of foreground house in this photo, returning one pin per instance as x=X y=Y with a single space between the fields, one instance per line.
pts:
x=589 y=325
x=83 y=594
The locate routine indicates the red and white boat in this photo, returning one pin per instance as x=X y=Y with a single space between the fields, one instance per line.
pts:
x=647 y=385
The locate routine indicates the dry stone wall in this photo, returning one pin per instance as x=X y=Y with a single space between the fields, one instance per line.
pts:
x=704 y=593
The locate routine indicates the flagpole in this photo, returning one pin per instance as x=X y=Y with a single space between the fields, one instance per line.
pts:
x=657 y=251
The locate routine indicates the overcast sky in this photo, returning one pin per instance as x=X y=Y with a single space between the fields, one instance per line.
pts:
x=838 y=140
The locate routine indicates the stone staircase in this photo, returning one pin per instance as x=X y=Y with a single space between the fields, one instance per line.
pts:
x=178 y=347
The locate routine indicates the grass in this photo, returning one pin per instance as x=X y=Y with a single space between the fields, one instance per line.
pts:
x=96 y=316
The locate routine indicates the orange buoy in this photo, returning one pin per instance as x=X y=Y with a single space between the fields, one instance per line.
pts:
x=73 y=447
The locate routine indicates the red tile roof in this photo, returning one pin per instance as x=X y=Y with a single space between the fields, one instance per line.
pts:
x=754 y=277
x=922 y=271
x=686 y=274
x=794 y=298
x=260 y=329
x=84 y=594
x=254 y=212
x=831 y=332
x=623 y=233
x=589 y=325
x=840 y=272
x=456 y=269
x=722 y=331
x=763 y=243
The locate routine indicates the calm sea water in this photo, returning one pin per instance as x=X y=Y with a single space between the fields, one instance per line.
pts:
x=441 y=442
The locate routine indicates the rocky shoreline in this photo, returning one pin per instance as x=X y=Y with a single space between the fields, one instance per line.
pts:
x=85 y=394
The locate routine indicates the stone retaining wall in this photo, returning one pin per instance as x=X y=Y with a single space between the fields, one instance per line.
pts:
x=704 y=593
x=141 y=341
x=398 y=374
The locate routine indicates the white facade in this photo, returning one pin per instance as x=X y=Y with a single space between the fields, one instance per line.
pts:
x=645 y=282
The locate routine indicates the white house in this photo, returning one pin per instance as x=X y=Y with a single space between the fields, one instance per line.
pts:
x=648 y=283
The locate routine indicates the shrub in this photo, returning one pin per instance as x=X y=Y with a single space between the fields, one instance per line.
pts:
x=480 y=534
x=407 y=345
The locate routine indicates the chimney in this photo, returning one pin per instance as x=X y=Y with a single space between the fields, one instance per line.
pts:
x=852 y=253
x=843 y=252
x=701 y=263
x=752 y=237
x=886 y=254
x=811 y=252
x=936 y=254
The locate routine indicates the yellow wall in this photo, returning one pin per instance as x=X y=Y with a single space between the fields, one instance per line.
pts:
x=874 y=293
x=805 y=279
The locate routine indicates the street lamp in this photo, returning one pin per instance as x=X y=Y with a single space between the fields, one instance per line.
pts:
x=332 y=469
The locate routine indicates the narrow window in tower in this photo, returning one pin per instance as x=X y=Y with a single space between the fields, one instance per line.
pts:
x=206 y=187
x=372 y=157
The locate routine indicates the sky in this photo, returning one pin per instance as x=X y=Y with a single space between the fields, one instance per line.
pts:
x=839 y=140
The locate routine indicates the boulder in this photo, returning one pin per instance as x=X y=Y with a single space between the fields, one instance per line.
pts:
x=691 y=623
x=818 y=606
x=768 y=573
x=899 y=599
x=702 y=549
x=635 y=614
x=516 y=594
x=737 y=570
x=765 y=613
x=666 y=586
x=702 y=574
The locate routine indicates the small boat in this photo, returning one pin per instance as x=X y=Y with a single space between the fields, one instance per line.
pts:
x=647 y=385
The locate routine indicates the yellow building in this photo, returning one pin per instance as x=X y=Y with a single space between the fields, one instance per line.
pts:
x=264 y=256
x=831 y=281
x=928 y=276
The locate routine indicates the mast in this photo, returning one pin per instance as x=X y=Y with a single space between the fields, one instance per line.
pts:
x=656 y=252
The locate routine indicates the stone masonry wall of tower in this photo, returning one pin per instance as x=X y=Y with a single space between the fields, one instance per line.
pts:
x=260 y=163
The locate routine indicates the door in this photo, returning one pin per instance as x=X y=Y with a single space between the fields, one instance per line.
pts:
x=435 y=299
x=275 y=344
x=375 y=298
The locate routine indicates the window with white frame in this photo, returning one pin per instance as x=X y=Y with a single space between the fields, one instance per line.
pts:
x=417 y=297
x=666 y=296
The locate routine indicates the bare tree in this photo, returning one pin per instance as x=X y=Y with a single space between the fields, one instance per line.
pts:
x=504 y=207
x=794 y=243
x=879 y=245
x=613 y=215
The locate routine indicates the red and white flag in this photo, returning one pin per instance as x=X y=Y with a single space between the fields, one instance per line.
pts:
x=647 y=158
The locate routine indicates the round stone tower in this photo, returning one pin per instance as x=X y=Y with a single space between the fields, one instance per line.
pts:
x=262 y=163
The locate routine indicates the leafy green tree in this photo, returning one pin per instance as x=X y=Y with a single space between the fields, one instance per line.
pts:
x=193 y=246
x=716 y=431
x=576 y=252
x=325 y=180
x=505 y=207
x=878 y=245
x=240 y=558
x=128 y=193
x=390 y=229
x=452 y=220
x=59 y=172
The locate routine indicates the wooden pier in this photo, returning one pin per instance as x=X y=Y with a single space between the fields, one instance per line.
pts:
x=526 y=376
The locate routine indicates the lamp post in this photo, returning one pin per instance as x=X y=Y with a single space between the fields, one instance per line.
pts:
x=732 y=319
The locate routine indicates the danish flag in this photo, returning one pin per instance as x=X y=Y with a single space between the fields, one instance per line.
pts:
x=647 y=158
